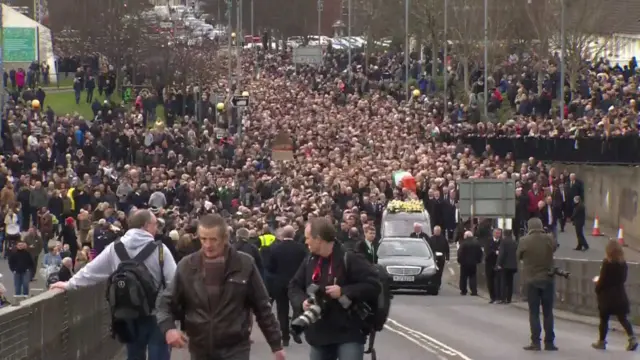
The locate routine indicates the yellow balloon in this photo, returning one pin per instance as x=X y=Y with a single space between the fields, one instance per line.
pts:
x=416 y=93
x=245 y=93
x=220 y=106
x=35 y=104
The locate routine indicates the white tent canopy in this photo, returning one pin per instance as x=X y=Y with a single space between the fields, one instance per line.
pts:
x=16 y=50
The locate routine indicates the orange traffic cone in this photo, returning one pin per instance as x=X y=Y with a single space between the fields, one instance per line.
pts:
x=596 y=227
x=621 y=236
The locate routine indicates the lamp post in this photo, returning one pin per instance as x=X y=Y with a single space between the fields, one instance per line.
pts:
x=230 y=39
x=486 y=56
x=562 y=59
x=406 y=48
x=349 y=35
x=446 y=50
x=320 y=8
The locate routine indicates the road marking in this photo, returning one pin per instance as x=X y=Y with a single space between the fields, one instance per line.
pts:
x=448 y=350
x=451 y=271
x=424 y=346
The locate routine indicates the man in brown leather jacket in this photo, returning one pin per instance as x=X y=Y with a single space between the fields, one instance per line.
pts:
x=213 y=293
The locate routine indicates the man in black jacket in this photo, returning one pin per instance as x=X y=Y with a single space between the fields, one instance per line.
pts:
x=469 y=256
x=579 y=218
x=344 y=278
x=242 y=244
x=507 y=265
x=286 y=257
x=491 y=250
x=438 y=244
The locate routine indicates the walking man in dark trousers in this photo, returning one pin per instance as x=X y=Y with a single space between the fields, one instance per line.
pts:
x=469 y=256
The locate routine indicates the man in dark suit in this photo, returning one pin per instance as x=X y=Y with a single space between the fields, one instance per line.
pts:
x=450 y=218
x=579 y=218
x=242 y=244
x=469 y=256
x=285 y=259
x=549 y=217
x=560 y=204
x=574 y=188
x=369 y=246
x=418 y=233
x=439 y=244
x=507 y=265
x=491 y=250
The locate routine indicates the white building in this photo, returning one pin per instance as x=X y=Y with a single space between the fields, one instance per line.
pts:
x=25 y=41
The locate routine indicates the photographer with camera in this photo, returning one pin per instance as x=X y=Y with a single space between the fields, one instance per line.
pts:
x=535 y=250
x=329 y=286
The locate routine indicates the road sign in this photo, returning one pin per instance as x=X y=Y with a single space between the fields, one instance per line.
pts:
x=19 y=44
x=282 y=148
x=240 y=101
x=307 y=55
x=487 y=198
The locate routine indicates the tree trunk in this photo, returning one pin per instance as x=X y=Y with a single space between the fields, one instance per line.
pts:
x=545 y=52
x=465 y=69
x=434 y=57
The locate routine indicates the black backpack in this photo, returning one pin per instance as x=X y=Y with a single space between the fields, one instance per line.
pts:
x=379 y=309
x=131 y=291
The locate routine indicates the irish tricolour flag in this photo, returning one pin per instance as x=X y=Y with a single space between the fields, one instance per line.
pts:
x=404 y=180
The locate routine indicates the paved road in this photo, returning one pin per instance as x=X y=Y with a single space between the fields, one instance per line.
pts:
x=450 y=326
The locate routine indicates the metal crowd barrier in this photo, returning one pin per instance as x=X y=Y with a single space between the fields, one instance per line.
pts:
x=577 y=293
x=58 y=326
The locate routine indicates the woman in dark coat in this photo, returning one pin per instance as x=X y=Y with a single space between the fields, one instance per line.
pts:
x=69 y=236
x=612 y=296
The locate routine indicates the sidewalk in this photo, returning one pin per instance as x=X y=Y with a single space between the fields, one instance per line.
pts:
x=567 y=241
x=451 y=278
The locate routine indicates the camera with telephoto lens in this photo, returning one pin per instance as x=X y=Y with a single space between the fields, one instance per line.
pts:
x=556 y=271
x=316 y=300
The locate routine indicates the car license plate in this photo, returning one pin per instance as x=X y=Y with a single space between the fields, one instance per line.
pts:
x=404 y=278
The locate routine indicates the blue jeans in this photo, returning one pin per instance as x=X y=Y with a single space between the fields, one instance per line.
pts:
x=541 y=293
x=346 y=351
x=21 y=282
x=149 y=338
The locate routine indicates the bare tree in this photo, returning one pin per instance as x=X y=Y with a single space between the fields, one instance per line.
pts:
x=588 y=35
x=467 y=29
x=429 y=25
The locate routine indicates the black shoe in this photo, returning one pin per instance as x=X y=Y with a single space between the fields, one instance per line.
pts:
x=578 y=249
x=550 y=347
x=463 y=293
x=285 y=342
x=508 y=302
x=492 y=301
x=474 y=294
x=296 y=339
x=532 y=347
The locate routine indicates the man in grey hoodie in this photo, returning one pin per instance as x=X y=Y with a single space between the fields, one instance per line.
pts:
x=142 y=228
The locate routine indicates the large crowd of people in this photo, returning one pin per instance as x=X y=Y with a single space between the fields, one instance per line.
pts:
x=351 y=131
x=69 y=184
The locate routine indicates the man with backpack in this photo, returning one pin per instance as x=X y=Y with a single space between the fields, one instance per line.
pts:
x=346 y=283
x=136 y=269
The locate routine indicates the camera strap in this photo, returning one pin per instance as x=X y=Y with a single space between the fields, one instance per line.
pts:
x=370 y=349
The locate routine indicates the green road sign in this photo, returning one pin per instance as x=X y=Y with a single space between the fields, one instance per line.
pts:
x=19 y=44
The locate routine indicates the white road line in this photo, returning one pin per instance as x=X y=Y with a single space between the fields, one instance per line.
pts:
x=451 y=271
x=424 y=346
x=449 y=349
